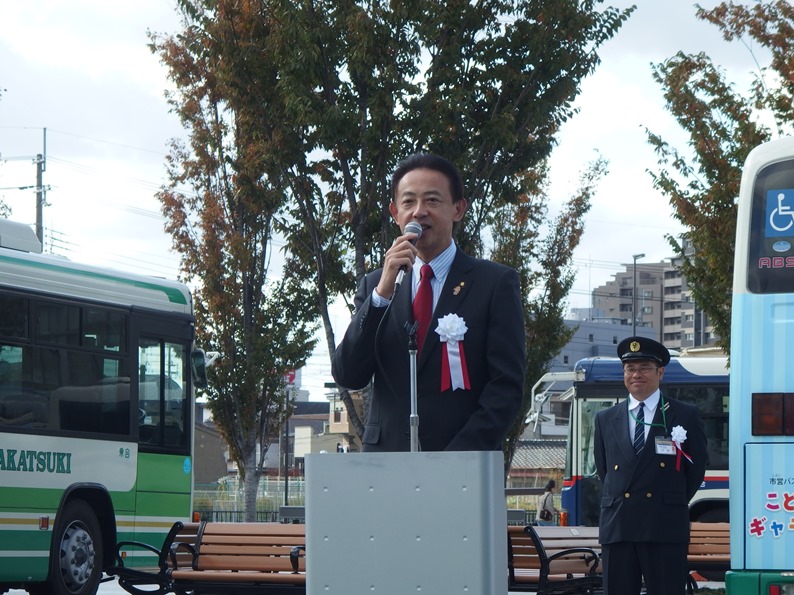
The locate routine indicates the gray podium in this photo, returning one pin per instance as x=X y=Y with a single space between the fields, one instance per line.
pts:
x=398 y=523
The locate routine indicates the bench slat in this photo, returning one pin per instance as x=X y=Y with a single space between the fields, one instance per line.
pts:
x=238 y=529
x=248 y=550
x=254 y=539
x=250 y=563
x=189 y=576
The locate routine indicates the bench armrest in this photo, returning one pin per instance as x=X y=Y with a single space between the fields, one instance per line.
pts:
x=131 y=578
x=121 y=545
x=294 y=557
x=174 y=549
x=589 y=555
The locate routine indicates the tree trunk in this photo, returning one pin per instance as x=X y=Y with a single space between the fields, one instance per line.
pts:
x=250 y=486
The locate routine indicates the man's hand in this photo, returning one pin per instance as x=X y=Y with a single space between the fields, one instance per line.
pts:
x=401 y=255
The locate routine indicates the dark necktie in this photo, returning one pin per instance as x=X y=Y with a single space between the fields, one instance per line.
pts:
x=639 y=429
x=423 y=304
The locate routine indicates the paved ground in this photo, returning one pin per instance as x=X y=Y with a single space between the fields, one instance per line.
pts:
x=112 y=588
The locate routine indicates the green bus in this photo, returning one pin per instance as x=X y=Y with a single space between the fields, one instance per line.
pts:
x=97 y=373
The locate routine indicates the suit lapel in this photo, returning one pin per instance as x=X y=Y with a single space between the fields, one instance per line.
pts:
x=620 y=429
x=401 y=310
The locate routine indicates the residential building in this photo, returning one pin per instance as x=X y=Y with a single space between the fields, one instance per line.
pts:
x=665 y=305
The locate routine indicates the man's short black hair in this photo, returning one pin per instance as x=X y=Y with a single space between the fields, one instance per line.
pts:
x=429 y=161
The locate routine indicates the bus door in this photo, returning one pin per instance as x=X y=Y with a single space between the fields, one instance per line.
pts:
x=164 y=424
x=585 y=484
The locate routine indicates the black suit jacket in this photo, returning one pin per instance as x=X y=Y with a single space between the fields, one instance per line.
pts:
x=487 y=296
x=644 y=497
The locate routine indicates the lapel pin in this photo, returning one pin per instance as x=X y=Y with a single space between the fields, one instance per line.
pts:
x=457 y=288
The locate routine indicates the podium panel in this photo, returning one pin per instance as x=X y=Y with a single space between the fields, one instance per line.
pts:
x=398 y=523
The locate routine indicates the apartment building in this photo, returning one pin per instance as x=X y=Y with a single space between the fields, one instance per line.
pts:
x=664 y=304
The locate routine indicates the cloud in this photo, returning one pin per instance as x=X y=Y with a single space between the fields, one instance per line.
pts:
x=617 y=104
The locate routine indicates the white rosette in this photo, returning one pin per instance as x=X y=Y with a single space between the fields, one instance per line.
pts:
x=451 y=328
x=679 y=435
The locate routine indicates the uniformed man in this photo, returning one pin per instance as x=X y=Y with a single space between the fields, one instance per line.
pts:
x=650 y=452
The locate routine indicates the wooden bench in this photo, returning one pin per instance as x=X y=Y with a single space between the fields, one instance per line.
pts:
x=553 y=560
x=202 y=558
x=709 y=550
x=249 y=557
x=265 y=558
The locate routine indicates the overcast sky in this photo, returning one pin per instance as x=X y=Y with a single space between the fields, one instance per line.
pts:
x=82 y=70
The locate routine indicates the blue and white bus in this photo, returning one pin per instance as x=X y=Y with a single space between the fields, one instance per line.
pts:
x=598 y=384
x=762 y=377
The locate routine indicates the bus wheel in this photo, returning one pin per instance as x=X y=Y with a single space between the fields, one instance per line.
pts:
x=76 y=562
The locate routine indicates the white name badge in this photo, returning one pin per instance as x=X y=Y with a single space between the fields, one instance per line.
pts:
x=664 y=446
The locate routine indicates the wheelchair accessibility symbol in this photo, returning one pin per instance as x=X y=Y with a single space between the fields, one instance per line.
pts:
x=781 y=217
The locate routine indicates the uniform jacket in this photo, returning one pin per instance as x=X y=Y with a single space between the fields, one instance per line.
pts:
x=486 y=295
x=644 y=497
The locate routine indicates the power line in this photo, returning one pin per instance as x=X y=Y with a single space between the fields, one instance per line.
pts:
x=107 y=142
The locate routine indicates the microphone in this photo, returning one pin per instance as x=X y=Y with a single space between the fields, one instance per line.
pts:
x=412 y=227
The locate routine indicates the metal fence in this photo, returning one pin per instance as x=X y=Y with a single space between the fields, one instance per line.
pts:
x=236 y=516
x=223 y=502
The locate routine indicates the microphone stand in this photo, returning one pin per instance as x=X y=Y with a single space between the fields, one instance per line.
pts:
x=411 y=328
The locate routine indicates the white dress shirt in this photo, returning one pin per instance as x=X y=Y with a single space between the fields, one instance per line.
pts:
x=651 y=403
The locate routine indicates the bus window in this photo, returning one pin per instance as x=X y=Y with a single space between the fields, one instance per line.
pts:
x=163 y=398
x=57 y=324
x=13 y=317
x=771 y=229
x=587 y=435
x=105 y=329
x=60 y=389
x=712 y=403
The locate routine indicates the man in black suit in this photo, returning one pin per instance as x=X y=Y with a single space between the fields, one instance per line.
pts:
x=470 y=365
x=650 y=452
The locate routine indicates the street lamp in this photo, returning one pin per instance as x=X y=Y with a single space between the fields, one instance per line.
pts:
x=634 y=297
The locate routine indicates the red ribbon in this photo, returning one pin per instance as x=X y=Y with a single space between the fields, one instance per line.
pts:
x=446 y=374
x=680 y=452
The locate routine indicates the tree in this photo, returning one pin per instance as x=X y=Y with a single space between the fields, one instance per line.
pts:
x=724 y=126
x=544 y=269
x=220 y=207
x=335 y=93
x=486 y=84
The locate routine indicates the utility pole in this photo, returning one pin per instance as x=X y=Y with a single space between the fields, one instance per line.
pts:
x=286 y=462
x=40 y=198
x=41 y=192
x=634 y=297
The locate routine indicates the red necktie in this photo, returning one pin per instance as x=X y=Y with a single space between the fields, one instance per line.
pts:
x=423 y=304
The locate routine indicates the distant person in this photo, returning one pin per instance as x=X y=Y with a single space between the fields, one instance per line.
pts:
x=650 y=452
x=470 y=362
x=546 y=509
